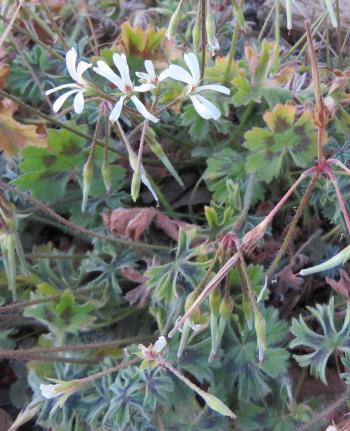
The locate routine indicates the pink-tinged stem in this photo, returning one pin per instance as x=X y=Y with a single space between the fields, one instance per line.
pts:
x=233 y=259
x=205 y=292
x=268 y=219
x=339 y=164
x=333 y=178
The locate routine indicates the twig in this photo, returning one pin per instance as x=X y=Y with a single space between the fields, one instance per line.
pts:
x=44 y=208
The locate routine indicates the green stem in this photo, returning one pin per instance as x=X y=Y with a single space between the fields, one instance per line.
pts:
x=203 y=36
x=231 y=55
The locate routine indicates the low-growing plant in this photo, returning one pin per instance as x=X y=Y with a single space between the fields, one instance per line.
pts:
x=180 y=312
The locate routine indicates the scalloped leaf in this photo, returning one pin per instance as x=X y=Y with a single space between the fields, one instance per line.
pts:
x=286 y=135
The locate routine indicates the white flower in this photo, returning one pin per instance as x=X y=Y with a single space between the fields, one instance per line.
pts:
x=160 y=344
x=60 y=388
x=150 y=79
x=63 y=390
x=123 y=82
x=205 y=109
x=78 y=88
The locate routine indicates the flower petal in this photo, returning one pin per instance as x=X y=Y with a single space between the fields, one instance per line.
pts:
x=180 y=74
x=205 y=109
x=60 y=87
x=122 y=66
x=143 y=88
x=115 y=114
x=142 y=110
x=78 y=103
x=104 y=70
x=71 y=60
x=82 y=67
x=163 y=75
x=150 y=68
x=60 y=101
x=193 y=65
x=214 y=87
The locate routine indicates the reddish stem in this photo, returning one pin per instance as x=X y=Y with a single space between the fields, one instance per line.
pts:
x=333 y=178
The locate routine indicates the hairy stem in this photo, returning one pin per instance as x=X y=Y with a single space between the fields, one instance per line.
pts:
x=304 y=201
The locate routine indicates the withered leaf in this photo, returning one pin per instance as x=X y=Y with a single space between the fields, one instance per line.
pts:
x=13 y=135
x=342 y=286
x=132 y=223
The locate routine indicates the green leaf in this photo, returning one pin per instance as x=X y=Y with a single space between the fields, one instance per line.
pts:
x=199 y=126
x=322 y=345
x=46 y=171
x=286 y=135
x=164 y=278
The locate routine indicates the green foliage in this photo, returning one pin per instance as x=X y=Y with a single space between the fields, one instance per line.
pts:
x=164 y=279
x=286 y=135
x=24 y=82
x=46 y=171
x=253 y=83
x=322 y=345
x=63 y=316
x=254 y=379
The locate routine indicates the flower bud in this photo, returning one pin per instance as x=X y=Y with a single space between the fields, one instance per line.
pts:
x=226 y=307
x=106 y=176
x=174 y=21
x=88 y=172
x=260 y=329
x=136 y=183
x=196 y=33
x=214 y=301
x=213 y=43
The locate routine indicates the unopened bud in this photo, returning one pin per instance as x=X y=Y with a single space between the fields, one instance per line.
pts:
x=260 y=329
x=213 y=43
x=106 y=176
x=196 y=33
x=174 y=21
x=214 y=301
x=88 y=172
x=226 y=307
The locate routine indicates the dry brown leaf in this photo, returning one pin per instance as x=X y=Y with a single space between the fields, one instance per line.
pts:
x=4 y=71
x=342 y=286
x=132 y=223
x=14 y=135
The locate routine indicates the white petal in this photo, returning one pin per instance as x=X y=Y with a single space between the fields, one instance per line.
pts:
x=79 y=102
x=60 y=101
x=180 y=74
x=160 y=344
x=150 y=68
x=60 y=87
x=205 y=109
x=214 y=87
x=163 y=75
x=142 y=110
x=122 y=66
x=104 y=70
x=115 y=114
x=144 y=87
x=193 y=65
x=142 y=75
x=48 y=391
x=71 y=60
x=82 y=67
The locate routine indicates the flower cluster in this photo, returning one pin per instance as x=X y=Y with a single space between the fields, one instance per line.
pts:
x=149 y=81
